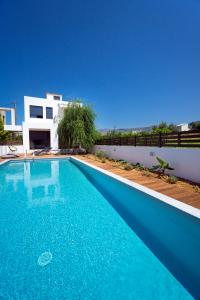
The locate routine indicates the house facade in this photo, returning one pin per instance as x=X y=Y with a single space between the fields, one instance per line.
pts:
x=183 y=127
x=41 y=117
x=12 y=126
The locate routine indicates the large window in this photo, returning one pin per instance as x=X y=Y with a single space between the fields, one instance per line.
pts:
x=36 y=111
x=49 y=113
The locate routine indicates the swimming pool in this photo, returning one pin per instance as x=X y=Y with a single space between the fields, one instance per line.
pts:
x=69 y=231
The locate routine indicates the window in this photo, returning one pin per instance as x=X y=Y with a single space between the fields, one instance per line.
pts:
x=36 y=111
x=49 y=113
x=56 y=97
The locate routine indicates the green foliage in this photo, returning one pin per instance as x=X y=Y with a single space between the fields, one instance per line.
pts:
x=121 y=161
x=128 y=167
x=172 y=179
x=194 y=125
x=163 y=127
x=100 y=154
x=117 y=134
x=173 y=127
x=4 y=135
x=146 y=173
x=196 y=188
x=103 y=160
x=19 y=138
x=139 y=166
x=97 y=135
x=162 y=167
x=77 y=126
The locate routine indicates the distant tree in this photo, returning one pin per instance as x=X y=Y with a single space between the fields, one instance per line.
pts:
x=77 y=128
x=4 y=135
x=142 y=133
x=173 y=127
x=163 y=127
x=194 y=125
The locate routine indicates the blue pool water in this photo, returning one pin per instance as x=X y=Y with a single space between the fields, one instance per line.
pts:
x=63 y=237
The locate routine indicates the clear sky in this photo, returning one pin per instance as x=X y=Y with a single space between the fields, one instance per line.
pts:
x=136 y=61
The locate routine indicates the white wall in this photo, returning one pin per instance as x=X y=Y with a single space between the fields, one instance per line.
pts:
x=13 y=127
x=50 y=96
x=186 y=162
x=5 y=149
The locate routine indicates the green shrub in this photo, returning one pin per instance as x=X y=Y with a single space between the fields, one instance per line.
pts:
x=100 y=154
x=123 y=162
x=139 y=166
x=162 y=167
x=146 y=173
x=196 y=188
x=128 y=167
x=172 y=179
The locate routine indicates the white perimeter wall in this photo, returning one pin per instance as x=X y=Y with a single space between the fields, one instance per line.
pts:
x=5 y=149
x=186 y=162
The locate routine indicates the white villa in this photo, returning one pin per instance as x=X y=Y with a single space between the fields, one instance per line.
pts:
x=41 y=116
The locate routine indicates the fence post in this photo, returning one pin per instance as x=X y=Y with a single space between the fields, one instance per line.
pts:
x=179 y=139
x=135 y=140
x=160 y=140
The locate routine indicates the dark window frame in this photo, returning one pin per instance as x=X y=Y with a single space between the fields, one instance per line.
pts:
x=56 y=97
x=49 y=115
x=33 y=112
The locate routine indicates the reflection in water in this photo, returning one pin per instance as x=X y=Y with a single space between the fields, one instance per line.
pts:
x=39 y=180
x=44 y=172
x=14 y=176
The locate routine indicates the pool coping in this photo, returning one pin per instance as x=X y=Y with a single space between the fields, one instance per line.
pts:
x=195 y=212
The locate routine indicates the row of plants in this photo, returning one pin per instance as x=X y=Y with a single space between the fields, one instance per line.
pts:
x=160 y=169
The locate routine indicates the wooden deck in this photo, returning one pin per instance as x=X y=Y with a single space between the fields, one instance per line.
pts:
x=181 y=191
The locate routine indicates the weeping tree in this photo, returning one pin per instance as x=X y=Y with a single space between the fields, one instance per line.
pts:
x=77 y=128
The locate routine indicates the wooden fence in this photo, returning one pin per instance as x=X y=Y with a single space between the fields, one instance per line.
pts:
x=174 y=139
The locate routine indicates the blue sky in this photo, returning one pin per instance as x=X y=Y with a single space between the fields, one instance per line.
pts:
x=136 y=62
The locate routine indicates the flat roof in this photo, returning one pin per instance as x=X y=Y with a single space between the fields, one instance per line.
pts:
x=53 y=94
